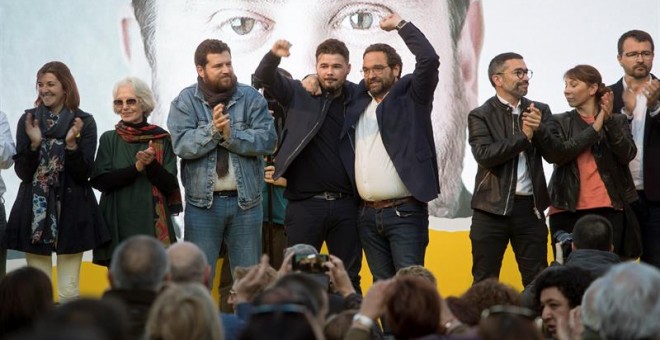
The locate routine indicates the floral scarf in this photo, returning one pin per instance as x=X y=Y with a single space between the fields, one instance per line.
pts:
x=145 y=133
x=47 y=181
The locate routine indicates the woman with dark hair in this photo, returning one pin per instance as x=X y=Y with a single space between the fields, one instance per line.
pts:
x=26 y=295
x=135 y=170
x=591 y=148
x=55 y=209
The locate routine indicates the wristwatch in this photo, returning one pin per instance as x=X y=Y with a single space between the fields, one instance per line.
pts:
x=401 y=24
x=363 y=320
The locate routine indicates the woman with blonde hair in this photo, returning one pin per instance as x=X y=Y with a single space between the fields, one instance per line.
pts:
x=184 y=311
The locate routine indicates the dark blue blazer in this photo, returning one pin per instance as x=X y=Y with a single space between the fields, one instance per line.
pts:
x=651 y=161
x=404 y=118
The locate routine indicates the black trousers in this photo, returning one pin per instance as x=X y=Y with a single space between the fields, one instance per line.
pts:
x=490 y=234
x=313 y=221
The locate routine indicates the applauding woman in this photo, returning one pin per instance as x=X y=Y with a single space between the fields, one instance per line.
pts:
x=591 y=149
x=55 y=208
x=135 y=170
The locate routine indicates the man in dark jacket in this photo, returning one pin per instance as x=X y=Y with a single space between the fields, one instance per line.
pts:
x=395 y=166
x=592 y=251
x=316 y=162
x=636 y=95
x=138 y=269
x=510 y=192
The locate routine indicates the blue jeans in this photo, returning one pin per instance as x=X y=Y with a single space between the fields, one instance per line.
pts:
x=224 y=220
x=648 y=215
x=394 y=238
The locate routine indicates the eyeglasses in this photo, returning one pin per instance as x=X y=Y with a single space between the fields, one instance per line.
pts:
x=521 y=73
x=377 y=70
x=644 y=54
x=118 y=103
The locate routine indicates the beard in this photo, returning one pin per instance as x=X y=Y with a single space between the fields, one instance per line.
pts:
x=640 y=72
x=222 y=84
x=378 y=87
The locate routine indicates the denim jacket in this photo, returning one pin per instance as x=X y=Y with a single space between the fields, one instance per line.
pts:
x=252 y=136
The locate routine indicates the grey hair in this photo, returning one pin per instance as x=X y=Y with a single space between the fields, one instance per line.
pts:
x=300 y=249
x=142 y=92
x=187 y=262
x=139 y=263
x=629 y=302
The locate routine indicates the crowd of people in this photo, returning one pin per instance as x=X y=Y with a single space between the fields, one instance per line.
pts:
x=350 y=165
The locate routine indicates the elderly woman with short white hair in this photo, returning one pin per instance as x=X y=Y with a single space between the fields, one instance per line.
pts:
x=135 y=170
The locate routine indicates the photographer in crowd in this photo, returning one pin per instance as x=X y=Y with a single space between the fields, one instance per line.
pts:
x=589 y=248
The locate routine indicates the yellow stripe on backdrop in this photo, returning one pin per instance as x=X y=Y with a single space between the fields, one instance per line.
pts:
x=448 y=256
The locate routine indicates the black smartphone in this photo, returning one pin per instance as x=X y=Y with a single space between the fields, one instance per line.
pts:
x=310 y=263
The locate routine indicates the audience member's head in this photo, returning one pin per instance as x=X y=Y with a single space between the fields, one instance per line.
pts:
x=300 y=249
x=413 y=309
x=184 y=311
x=468 y=307
x=99 y=319
x=26 y=295
x=508 y=323
x=281 y=321
x=558 y=290
x=188 y=263
x=593 y=232
x=300 y=289
x=138 y=263
x=338 y=325
x=590 y=319
x=627 y=302
x=418 y=271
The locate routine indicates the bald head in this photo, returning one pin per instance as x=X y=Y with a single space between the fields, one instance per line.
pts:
x=138 y=263
x=188 y=263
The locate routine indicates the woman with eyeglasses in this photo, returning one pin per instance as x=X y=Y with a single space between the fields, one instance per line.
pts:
x=55 y=209
x=590 y=147
x=135 y=170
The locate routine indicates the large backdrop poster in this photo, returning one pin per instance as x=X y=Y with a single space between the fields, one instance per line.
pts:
x=104 y=40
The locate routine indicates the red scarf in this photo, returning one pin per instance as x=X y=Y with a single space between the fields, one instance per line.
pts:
x=155 y=134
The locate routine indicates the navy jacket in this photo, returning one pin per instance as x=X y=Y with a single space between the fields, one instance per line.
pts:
x=651 y=162
x=404 y=118
x=305 y=115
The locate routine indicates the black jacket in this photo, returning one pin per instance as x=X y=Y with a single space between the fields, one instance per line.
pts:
x=496 y=144
x=305 y=115
x=404 y=118
x=81 y=225
x=650 y=158
x=613 y=148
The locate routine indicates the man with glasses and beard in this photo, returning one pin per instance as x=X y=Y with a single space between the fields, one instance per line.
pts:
x=636 y=95
x=510 y=193
x=396 y=173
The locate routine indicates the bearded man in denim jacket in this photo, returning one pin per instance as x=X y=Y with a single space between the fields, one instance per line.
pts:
x=222 y=129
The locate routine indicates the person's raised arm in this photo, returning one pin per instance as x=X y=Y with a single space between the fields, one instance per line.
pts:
x=278 y=86
x=427 y=61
